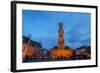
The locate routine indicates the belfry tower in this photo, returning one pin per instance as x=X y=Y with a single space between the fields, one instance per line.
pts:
x=61 y=36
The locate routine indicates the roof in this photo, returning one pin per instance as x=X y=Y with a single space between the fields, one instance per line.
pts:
x=26 y=39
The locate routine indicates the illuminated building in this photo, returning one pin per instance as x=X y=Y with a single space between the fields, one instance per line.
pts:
x=61 y=51
x=30 y=49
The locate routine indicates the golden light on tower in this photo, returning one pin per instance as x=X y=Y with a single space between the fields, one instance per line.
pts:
x=61 y=51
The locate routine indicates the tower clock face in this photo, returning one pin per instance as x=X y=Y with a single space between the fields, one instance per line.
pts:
x=61 y=30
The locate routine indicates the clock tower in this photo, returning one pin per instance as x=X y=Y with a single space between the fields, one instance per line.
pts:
x=61 y=36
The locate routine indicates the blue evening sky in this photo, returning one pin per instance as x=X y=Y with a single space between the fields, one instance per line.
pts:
x=43 y=27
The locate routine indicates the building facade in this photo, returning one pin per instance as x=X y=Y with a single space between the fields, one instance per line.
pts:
x=61 y=51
